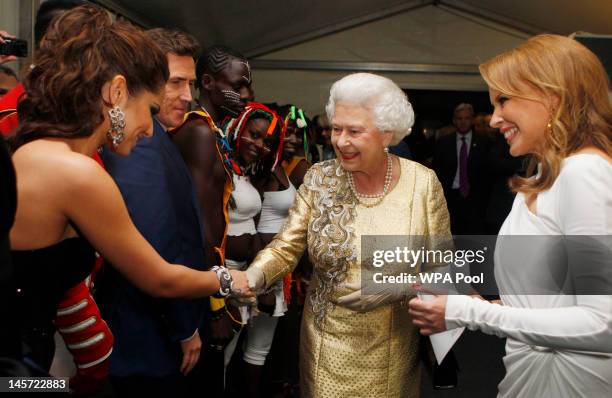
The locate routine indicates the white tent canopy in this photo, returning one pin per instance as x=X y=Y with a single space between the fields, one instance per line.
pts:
x=425 y=48
x=298 y=48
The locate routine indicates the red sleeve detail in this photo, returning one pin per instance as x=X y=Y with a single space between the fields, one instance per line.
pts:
x=10 y=122
x=76 y=309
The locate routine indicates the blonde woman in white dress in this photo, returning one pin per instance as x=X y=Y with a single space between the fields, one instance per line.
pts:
x=551 y=101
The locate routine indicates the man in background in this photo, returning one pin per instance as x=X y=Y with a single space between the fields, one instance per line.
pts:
x=460 y=162
x=323 y=137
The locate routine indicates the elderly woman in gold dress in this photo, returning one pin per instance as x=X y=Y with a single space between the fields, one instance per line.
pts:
x=353 y=345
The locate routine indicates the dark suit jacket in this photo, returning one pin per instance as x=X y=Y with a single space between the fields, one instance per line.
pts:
x=402 y=149
x=160 y=197
x=445 y=164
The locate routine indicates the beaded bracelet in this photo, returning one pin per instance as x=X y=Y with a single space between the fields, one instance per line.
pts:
x=225 y=281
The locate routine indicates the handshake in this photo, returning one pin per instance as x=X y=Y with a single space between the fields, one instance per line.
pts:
x=240 y=285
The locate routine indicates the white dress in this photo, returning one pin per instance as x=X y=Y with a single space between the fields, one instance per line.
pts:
x=557 y=345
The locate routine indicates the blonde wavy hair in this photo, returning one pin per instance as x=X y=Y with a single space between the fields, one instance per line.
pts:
x=556 y=67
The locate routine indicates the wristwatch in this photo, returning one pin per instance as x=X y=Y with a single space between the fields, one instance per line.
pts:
x=225 y=281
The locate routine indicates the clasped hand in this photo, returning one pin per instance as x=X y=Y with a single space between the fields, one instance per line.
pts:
x=374 y=296
x=246 y=285
x=240 y=286
x=428 y=315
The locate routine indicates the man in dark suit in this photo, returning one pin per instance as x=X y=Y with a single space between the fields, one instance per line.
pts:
x=460 y=161
x=157 y=341
x=223 y=78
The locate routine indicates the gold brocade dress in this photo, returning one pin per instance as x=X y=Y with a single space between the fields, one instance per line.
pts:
x=344 y=353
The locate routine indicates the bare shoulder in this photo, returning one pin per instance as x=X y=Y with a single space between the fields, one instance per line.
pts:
x=194 y=130
x=52 y=180
x=196 y=140
x=301 y=168
x=54 y=166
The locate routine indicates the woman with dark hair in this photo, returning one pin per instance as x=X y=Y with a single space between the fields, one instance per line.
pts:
x=96 y=82
x=278 y=193
x=255 y=137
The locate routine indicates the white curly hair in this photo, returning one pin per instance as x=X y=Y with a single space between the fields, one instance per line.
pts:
x=390 y=107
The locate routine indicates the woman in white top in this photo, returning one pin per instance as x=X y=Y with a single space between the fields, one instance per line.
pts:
x=551 y=101
x=278 y=194
x=255 y=137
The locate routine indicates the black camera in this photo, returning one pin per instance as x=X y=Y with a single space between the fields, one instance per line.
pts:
x=12 y=46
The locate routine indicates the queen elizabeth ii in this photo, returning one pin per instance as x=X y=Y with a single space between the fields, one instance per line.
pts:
x=355 y=345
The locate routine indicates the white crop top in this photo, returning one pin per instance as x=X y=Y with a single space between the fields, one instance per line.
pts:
x=275 y=209
x=248 y=205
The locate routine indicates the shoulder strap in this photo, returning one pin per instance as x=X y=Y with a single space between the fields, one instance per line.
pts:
x=290 y=166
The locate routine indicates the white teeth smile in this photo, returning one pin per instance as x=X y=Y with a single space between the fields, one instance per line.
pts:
x=510 y=132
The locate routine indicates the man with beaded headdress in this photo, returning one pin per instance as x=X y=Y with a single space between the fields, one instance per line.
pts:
x=223 y=77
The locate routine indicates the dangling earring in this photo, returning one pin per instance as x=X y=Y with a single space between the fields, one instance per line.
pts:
x=549 y=127
x=115 y=133
x=386 y=150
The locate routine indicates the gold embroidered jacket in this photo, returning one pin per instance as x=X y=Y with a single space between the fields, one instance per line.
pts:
x=344 y=353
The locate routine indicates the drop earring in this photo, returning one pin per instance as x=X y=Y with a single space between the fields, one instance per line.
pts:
x=115 y=133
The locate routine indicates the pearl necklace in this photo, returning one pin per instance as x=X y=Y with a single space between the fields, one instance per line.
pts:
x=379 y=196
